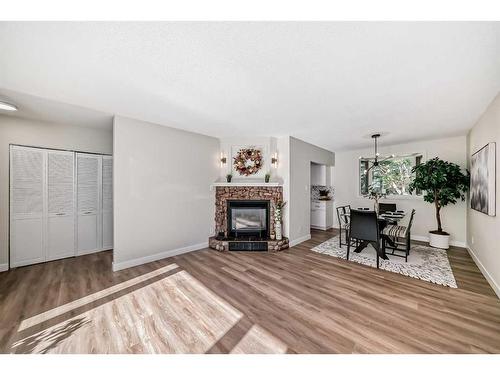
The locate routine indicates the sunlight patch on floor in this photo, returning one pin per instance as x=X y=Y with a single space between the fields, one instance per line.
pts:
x=40 y=318
x=176 y=314
x=258 y=341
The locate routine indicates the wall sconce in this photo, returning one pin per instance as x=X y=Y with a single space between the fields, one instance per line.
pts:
x=274 y=160
x=223 y=159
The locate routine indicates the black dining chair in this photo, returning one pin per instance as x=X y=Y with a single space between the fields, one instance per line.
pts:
x=364 y=227
x=343 y=218
x=386 y=207
x=396 y=232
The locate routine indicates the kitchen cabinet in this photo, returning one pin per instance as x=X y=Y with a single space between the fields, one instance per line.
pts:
x=321 y=214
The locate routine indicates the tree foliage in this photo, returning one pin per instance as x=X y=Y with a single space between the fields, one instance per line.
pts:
x=396 y=175
x=392 y=176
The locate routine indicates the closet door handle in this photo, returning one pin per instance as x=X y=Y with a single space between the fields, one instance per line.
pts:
x=59 y=214
x=87 y=212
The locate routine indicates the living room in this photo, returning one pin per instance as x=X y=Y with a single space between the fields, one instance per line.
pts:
x=249 y=187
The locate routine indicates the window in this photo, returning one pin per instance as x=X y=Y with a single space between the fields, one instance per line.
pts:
x=392 y=176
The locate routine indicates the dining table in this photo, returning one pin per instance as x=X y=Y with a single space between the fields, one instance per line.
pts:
x=384 y=219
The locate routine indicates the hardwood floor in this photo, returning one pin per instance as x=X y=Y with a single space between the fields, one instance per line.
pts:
x=296 y=301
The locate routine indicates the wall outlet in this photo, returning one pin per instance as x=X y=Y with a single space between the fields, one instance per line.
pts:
x=472 y=240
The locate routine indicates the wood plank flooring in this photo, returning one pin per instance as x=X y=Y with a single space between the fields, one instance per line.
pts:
x=296 y=301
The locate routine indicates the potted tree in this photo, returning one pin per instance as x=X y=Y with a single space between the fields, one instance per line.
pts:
x=443 y=183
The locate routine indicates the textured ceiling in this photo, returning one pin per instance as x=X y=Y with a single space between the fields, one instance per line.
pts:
x=331 y=84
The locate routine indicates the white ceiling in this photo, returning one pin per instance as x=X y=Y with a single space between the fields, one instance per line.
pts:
x=36 y=108
x=331 y=84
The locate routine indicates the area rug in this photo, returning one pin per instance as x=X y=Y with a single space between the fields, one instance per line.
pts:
x=424 y=262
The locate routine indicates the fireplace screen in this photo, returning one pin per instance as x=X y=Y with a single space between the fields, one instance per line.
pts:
x=248 y=219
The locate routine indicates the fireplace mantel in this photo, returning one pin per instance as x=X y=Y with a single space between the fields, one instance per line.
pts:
x=246 y=183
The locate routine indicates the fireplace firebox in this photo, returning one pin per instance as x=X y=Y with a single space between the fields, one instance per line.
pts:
x=248 y=218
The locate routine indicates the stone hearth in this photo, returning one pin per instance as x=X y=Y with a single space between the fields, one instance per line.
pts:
x=224 y=193
x=272 y=245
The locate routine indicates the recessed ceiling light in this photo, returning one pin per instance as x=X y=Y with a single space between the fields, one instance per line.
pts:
x=7 y=106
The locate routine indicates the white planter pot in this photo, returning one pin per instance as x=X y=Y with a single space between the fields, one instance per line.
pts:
x=441 y=241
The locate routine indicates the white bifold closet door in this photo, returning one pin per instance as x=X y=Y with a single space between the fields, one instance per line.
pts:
x=61 y=204
x=107 y=202
x=89 y=203
x=27 y=205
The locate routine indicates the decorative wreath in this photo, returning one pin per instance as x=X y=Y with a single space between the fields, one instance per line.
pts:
x=248 y=161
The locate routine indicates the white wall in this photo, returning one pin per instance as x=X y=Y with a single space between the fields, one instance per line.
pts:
x=283 y=170
x=483 y=231
x=15 y=130
x=269 y=144
x=294 y=162
x=301 y=156
x=163 y=204
x=346 y=178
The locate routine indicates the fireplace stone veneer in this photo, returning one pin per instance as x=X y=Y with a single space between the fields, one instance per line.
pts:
x=273 y=194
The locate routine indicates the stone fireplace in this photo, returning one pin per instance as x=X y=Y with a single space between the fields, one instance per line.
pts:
x=244 y=218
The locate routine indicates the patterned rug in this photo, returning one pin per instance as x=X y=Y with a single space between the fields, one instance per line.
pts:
x=424 y=263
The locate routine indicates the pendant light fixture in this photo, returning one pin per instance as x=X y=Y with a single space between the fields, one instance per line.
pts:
x=376 y=162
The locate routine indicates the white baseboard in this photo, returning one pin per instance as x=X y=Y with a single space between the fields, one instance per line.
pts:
x=458 y=244
x=321 y=228
x=485 y=273
x=420 y=238
x=4 y=267
x=300 y=240
x=426 y=239
x=87 y=252
x=158 y=256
